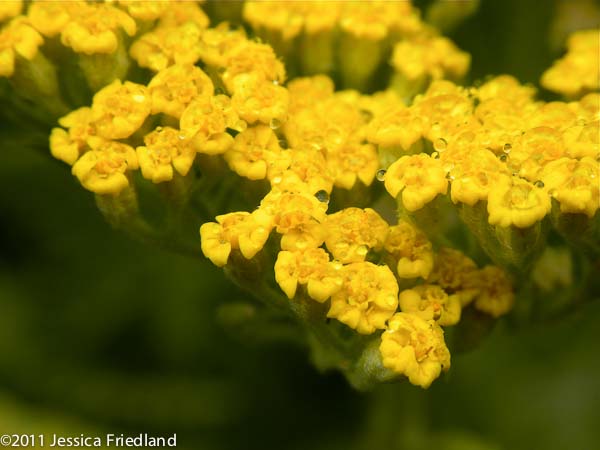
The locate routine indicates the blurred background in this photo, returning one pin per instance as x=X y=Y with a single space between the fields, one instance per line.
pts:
x=100 y=334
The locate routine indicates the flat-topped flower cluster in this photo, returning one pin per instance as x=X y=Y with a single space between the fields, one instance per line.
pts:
x=202 y=92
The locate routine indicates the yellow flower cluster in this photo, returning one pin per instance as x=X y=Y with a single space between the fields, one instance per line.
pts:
x=578 y=71
x=495 y=144
x=298 y=144
x=314 y=36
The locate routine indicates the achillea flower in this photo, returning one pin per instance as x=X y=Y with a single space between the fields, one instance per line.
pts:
x=473 y=172
x=506 y=87
x=243 y=231
x=205 y=121
x=582 y=140
x=146 y=9
x=298 y=216
x=579 y=70
x=18 y=38
x=429 y=57
x=164 y=150
x=514 y=201
x=414 y=347
x=310 y=267
x=419 y=178
x=173 y=88
x=69 y=145
x=307 y=168
x=367 y=299
x=249 y=57
x=168 y=45
x=51 y=17
x=10 y=8
x=494 y=290
x=451 y=270
x=354 y=162
x=103 y=169
x=397 y=126
x=574 y=183
x=256 y=154
x=215 y=43
x=94 y=28
x=255 y=99
x=530 y=152
x=120 y=109
x=431 y=302
x=353 y=232
x=305 y=92
x=180 y=12
x=410 y=250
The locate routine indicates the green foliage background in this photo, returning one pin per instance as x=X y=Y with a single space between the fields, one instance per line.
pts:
x=101 y=334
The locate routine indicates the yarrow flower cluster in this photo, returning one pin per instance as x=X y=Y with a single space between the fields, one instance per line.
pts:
x=288 y=173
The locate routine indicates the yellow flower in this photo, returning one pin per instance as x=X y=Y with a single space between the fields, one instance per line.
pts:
x=180 y=12
x=10 y=8
x=310 y=267
x=353 y=162
x=255 y=99
x=146 y=10
x=517 y=202
x=307 y=168
x=583 y=140
x=173 y=88
x=243 y=231
x=508 y=88
x=419 y=177
x=367 y=299
x=215 y=43
x=414 y=347
x=494 y=290
x=429 y=56
x=276 y=17
x=410 y=249
x=120 y=109
x=451 y=270
x=473 y=174
x=431 y=302
x=168 y=45
x=51 y=17
x=103 y=169
x=205 y=121
x=252 y=58
x=396 y=126
x=256 y=153
x=575 y=184
x=305 y=92
x=533 y=150
x=579 y=70
x=93 y=28
x=352 y=232
x=18 y=38
x=69 y=145
x=165 y=150
x=298 y=216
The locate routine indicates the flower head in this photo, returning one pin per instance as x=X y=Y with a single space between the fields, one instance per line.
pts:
x=120 y=109
x=93 y=28
x=367 y=299
x=310 y=267
x=419 y=178
x=173 y=88
x=494 y=292
x=243 y=231
x=414 y=347
x=410 y=249
x=164 y=150
x=103 y=169
x=18 y=38
x=69 y=145
x=352 y=232
x=431 y=302
x=514 y=201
